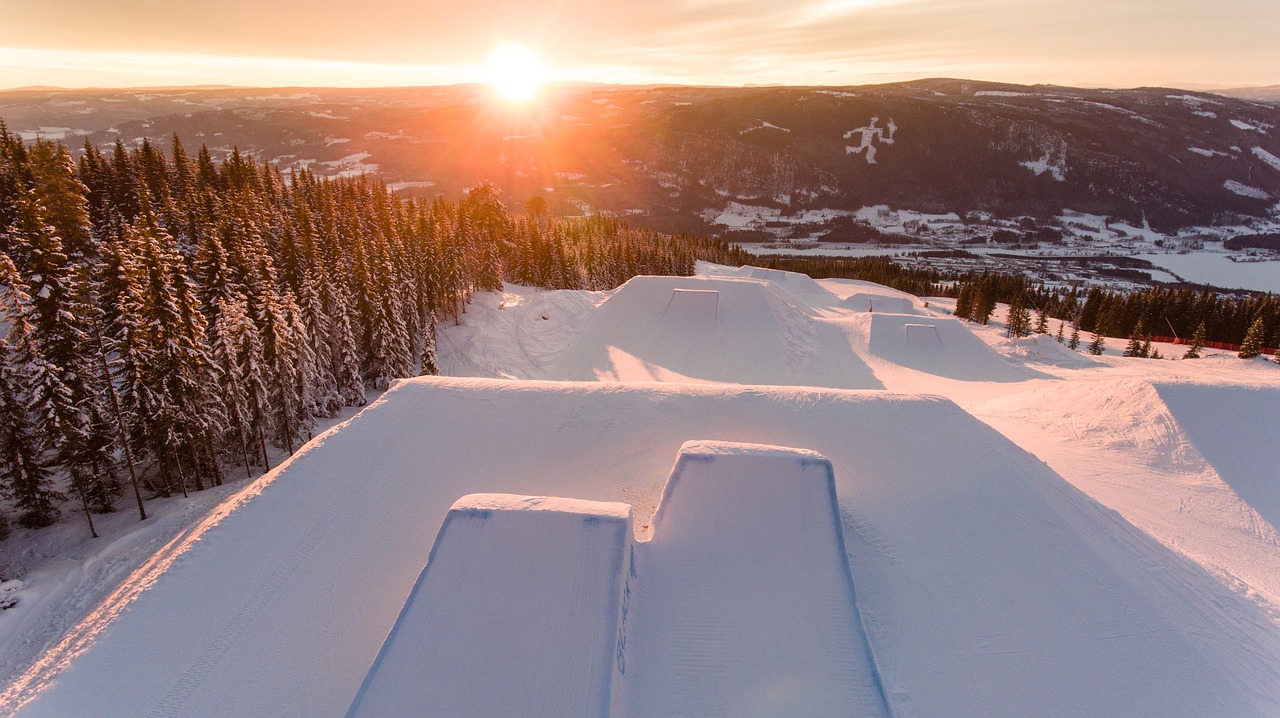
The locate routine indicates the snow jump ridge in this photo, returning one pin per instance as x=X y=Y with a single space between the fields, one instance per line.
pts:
x=742 y=598
x=699 y=329
x=942 y=346
x=745 y=600
x=885 y=304
x=549 y=571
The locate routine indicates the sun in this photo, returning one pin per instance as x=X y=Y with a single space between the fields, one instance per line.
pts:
x=515 y=73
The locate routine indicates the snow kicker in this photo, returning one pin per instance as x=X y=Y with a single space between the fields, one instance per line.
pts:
x=516 y=613
x=741 y=602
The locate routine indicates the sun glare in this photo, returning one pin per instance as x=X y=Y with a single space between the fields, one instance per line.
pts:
x=515 y=73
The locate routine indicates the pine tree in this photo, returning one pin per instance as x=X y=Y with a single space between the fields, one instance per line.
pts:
x=27 y=481
x=1074 y=343
x=1097 y=345
x=1019 y=323
x=226 y=354
x=345 y=352
x=1252 y=345
x=280 y=358
x=1061 y=336
x=60 y=194
x=1134 y=347
x=1042 y=322
x=1197 y=343
x=242 y=334
x=428 y=358
x=964 y=300
x=316 y=302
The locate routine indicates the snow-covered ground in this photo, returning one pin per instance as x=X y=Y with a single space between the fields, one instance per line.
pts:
x=1028 y=530
x=1195 y=254
x=1220 y=271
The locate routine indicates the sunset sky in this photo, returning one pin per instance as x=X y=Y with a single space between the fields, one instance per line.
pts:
x=1188 y=43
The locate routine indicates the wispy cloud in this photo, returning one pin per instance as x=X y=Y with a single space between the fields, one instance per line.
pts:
x=716 y=41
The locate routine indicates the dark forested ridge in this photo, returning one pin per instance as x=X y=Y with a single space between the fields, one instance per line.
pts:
x=674 y=158
x=165 y=316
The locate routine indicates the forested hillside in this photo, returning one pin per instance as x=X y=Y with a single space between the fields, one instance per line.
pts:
x=165 y=316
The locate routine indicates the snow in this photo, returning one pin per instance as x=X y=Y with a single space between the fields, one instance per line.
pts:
x=352 y=165
x=48 y=133
x=732 y=620
x=1267 y=157
x=470 y=602
x=763 y=125
x=1025 y=530
x=736 y=214
x=1056 y=169
x=1242 y=125
x=1206 y=153
x=867 y=302
x=397 y=186
x=1245 y=190
x=1219 y=270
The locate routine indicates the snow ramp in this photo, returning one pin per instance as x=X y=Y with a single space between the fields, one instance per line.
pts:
x=1199 y=468
x=1234 y=428
x=744 y=604
x=795 y=282
x=702 y=329
x=741 y=604
x=516 y=613
x=868 y=302
x=940 y=346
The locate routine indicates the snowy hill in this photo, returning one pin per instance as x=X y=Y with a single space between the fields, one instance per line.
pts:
x=1024 y=530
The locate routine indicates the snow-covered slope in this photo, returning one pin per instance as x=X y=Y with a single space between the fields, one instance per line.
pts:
x=987 y=583
x=1043 y=534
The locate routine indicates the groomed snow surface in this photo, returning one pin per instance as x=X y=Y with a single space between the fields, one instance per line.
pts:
x=883 y=511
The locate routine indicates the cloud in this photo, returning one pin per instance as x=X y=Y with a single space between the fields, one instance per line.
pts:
x=712 y=41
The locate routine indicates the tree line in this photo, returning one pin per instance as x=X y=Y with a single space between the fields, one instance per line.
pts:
x=1153 y=311
x=165 y=316
x=1165 y=311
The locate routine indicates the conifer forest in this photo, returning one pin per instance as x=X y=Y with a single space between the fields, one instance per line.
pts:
x=169 y=317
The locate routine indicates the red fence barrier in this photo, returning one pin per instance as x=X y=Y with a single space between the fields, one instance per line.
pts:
x=1269 y=351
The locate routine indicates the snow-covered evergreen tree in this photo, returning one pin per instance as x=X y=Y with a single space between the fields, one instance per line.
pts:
x=1097 y=345
x=1135 y=346
x=27 y=481
x=1197 y=343
x=1019 y=322
x=427 y=361
x=1252 y=345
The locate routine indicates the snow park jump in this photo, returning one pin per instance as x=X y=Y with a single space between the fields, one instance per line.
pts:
x=712 y=616
x=550 y=571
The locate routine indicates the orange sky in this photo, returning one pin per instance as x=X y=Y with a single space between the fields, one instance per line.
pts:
x=1189 y=43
